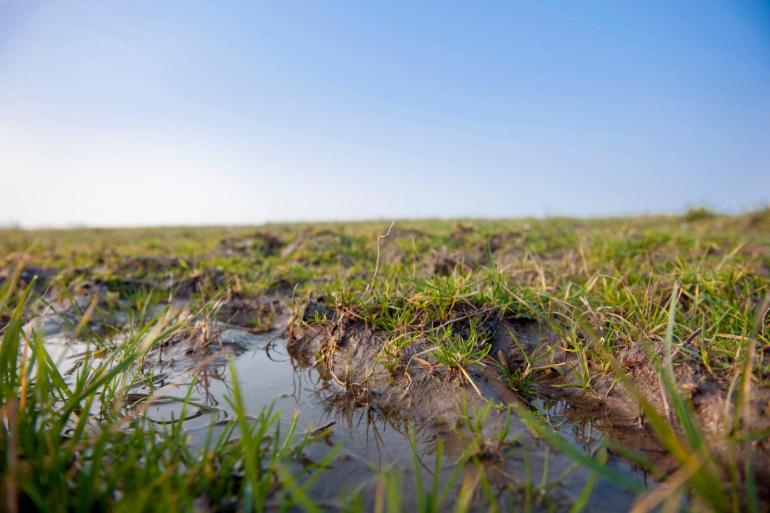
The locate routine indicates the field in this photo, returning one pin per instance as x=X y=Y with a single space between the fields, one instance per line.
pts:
x=468 y=365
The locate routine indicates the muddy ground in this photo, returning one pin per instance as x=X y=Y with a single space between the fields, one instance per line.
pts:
x=326 y=295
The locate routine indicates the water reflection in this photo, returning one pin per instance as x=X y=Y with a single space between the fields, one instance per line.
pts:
x=371 y=441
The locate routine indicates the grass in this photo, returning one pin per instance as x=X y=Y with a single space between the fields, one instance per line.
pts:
x=690 y=290
x=459 y=351
x=81 y=447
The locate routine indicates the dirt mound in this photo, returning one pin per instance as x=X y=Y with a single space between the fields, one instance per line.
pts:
x=349 y=354
x=353 y=355
x=257 y=243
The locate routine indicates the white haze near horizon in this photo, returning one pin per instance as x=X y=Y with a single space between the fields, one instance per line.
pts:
x=160 y=182
x=157 y=180
x=177 y=113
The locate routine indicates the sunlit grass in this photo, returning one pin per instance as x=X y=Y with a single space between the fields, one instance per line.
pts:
x=692 y=290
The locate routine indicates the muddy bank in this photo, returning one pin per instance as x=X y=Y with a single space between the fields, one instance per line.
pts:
x=367 y=401
x=350 y=355
x=355 y=357
x=362 y=410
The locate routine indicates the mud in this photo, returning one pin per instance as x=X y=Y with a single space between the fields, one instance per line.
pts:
x=345 y=389
x=708 y=394
x=351 y=355
x=612 y=408
x=348 y=356
x=335 y=374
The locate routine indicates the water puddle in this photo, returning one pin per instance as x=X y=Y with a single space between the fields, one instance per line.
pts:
x=370 y=441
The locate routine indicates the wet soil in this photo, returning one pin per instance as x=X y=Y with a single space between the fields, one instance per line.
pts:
x=349 y=355
x=334 y=375
x=354 y=396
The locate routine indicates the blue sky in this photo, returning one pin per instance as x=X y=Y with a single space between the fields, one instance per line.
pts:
x=179 y=112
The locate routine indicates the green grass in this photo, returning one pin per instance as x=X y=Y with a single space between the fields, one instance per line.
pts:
x=690 y=289
x=81 y=447
x=458 y=351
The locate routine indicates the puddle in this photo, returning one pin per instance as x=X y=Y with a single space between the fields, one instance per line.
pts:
x=267 y=376
x=370 y=440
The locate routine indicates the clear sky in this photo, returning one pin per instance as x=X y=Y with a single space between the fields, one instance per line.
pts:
x=186 y=112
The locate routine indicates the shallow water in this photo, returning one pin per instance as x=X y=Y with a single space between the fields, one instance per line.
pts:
x=267 y=376
x=369 y=442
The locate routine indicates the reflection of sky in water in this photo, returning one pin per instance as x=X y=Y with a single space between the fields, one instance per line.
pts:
x=369 y=442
